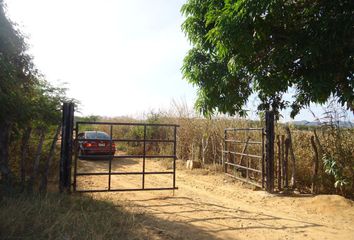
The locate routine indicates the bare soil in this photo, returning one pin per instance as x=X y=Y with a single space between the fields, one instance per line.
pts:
x=209 y=205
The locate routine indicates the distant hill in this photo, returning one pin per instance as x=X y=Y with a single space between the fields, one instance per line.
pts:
x=346 y=124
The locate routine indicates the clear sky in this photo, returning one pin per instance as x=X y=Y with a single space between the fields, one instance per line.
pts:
x=119 y=57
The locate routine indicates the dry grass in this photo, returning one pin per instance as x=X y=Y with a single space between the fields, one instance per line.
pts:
x=60 y=216
x=200 y=138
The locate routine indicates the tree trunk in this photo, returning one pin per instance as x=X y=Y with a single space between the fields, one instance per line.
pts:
x=292 y=156
x=24 y=147
x=36 y=160
x=5 y=130
x=44 y=182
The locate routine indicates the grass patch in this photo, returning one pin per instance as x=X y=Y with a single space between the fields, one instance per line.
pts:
x=61 y=216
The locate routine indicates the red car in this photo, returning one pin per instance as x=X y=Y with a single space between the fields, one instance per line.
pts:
x=95 y=145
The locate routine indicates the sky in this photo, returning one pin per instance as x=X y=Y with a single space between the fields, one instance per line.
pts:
x=117 y=57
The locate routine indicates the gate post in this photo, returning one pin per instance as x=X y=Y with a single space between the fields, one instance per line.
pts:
x=269 y=117
x=66 y=147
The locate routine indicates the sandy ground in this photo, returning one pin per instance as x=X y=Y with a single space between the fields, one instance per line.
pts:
x=210 y=205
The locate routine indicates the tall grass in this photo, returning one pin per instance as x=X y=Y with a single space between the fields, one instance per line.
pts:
x=201 y=139
x=60 y=216
x=15 y=156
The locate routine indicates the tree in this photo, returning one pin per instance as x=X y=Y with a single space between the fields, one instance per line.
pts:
x=16 y=79
x=266 y=47
x=27 y=101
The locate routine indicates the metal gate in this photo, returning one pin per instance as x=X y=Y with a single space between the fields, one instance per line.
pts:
x=244 y=155
x=144 y=156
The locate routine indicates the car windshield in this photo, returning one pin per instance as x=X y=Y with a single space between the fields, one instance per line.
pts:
x=97 y=135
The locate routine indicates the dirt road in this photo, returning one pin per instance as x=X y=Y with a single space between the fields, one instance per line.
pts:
x=209 y=205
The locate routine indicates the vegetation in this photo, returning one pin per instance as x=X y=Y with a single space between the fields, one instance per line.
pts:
x=60 y=216
x=30 y=120
x=266 y=47
x=30 y=108
x=240 y=48
x=201 y=139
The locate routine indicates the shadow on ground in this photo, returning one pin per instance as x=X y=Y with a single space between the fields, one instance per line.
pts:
x=214 y=219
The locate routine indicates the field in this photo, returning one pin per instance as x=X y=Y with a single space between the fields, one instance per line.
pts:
x=209 y=205
x=202 y=140
x=251 y=65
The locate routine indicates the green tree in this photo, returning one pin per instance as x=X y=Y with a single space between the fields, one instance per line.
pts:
x=16 y=80
x=27 y=101
x=242 y=47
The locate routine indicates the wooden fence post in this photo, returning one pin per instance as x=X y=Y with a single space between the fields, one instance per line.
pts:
x=48 y=162
x=279 y=163
x=292 y=156
x=287 y=147
x=225 y=149
x=36 y=161
x=269 y=117
x=314 y=166
x=24 y=150
x=284 y=162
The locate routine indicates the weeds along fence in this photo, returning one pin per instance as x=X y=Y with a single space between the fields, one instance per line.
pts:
x=34 y=157
x=198 y=139
x=201 y=140
x=324 y=158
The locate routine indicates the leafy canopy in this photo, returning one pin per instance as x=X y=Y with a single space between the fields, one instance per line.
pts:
x=25 y=97
x=242 y=47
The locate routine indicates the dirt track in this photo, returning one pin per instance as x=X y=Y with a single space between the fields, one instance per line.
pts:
x=212 y=206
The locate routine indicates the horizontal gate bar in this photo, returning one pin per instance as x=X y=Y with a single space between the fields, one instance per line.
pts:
x=142 y=140
x=127 y=190
x=244 y=180
x=243 y=154
x=249 y=142
x=119 y=173
x=141 y=156
x=129 y=124
x=123 y=156
x=130 y=140
x=243 y=167
x=243 y=129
